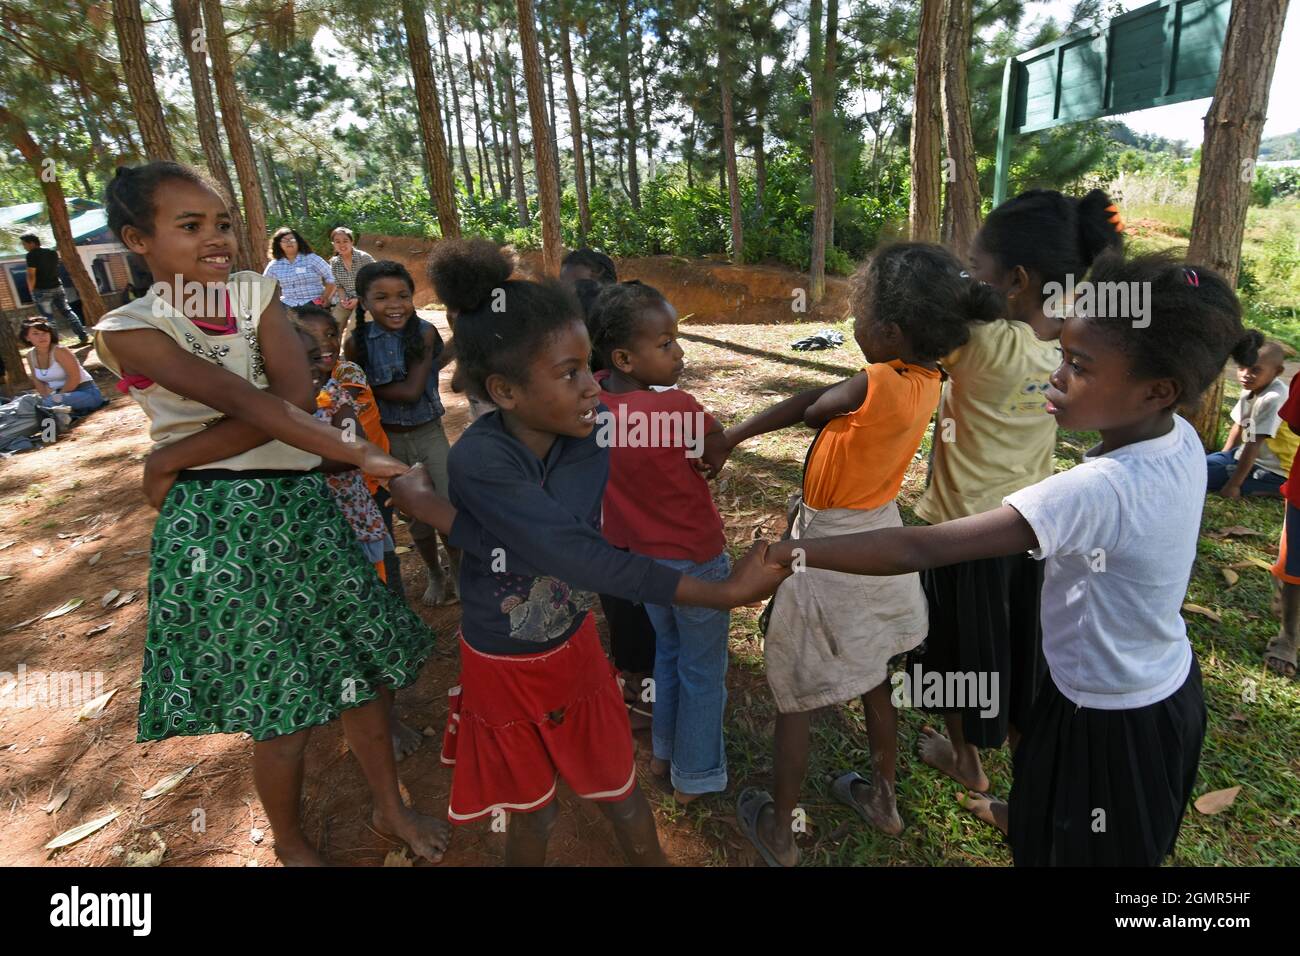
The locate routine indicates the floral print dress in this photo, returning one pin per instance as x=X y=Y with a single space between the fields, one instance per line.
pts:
x=347 y=388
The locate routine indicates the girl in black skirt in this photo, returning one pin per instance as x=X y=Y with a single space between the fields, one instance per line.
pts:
x=993 y=438
x=1109 y=756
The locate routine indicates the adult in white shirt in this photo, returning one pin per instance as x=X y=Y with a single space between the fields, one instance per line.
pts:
x=57 y=375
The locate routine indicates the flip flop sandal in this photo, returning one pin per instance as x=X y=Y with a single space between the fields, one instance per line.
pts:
x=842 y=790
x=749 y=807
x=1280 y=657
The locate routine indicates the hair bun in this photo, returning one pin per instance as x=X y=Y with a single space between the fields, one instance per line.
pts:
x=464 y=272
x=1246 y=350
x=1100 y=225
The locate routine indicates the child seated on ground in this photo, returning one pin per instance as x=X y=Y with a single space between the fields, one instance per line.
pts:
x=1256 y=458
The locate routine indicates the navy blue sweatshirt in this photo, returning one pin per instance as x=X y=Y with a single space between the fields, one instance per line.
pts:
x=530 y=529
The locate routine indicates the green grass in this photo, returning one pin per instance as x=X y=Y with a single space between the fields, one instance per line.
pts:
x=736 y=370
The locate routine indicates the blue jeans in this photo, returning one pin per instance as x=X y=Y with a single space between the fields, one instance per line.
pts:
x=53 y=303
x=83 y=399
x=690 y=684
x=1260 y=481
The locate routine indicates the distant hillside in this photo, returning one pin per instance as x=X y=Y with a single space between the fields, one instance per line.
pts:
x=1286 y=146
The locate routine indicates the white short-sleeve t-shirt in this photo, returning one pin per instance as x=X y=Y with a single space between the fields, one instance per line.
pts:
x=1118 y=535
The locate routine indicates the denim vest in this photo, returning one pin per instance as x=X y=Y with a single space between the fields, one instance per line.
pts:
x=385 y=364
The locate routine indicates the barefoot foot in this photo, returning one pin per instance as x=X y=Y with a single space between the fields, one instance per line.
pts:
x=684 y=798
x=659 y=767
x=937 y=751
x=426 y=836
x=406 y=740
x=878 y=805
x=991 y=811
x=297 y=853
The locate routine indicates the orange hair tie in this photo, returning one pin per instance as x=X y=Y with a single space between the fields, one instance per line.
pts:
x=1115 y=220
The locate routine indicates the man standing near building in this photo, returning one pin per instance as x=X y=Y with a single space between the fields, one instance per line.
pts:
x=45 y=287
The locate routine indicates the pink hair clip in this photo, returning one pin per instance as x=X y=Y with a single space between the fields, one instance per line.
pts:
x=1192 y=278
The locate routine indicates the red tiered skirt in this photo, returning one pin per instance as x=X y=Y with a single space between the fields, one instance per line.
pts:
x=518 y=724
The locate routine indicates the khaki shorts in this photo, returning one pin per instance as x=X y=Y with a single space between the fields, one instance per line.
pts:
x=832 y=634
x=427 y=445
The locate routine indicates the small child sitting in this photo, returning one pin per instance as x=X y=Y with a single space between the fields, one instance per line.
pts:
x=1256 y=458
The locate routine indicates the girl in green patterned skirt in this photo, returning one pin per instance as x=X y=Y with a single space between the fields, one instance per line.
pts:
x=264 y=617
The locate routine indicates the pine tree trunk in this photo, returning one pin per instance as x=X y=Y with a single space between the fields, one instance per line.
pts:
x=189 y=32
x=548 y=186
x=57 y=207
x=575 y=124
x=455 y=99
x=128 y=25
x=828 y=114
x=629 y=112
x=760 y=153
x=516 y=145
x=962 y=202
x=647 y=120
x=484 y=169
x=1233 y=127
x=729 y=133
x=927 y=127
x=237 y=136
x=821 y=158
x=586 y=108
x=498 y=134
x=429 y=114
x=544 y=29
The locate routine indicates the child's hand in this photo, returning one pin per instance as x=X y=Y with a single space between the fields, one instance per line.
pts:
x=158 y=480
x=717 y=449
x=410 y=488
x=754 y=577
x=414 y=495
x=377 y=463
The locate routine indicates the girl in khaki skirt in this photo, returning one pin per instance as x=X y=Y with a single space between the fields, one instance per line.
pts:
x=831 y=635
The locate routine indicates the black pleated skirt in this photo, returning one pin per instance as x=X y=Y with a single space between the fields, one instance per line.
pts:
x=984 y=619
x=1105 y=787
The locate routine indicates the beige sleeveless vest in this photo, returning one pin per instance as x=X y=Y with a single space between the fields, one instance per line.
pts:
x=172 y=416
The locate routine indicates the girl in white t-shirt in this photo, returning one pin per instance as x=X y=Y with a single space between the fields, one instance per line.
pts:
x=1108 y=759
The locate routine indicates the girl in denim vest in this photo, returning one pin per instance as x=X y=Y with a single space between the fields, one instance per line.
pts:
x=402 y=355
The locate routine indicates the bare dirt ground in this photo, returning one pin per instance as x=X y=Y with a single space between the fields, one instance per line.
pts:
x=78 y=501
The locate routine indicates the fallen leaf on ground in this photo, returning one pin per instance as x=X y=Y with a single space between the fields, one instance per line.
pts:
x=1238 y=716
x=1203 y=611
x=147 y=857
x=103 y=602
x=1236 y=530
x=1231 y=576
x=404 y=793
x=125 y=599
x=58 y=800
x=67 y=608
x=398 y=858
x=96 y=706
x=429 y=732
x=1252 y=562
x=22 y=624
x=39 y=552
x=166 y=784
x=5 y=577
x=8 y=544
x=99 y=630
x=94 y=558
x=401 y=549
x=69 y=837
x=1216 y=801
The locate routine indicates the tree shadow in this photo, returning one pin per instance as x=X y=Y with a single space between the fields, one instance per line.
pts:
x=841 y=370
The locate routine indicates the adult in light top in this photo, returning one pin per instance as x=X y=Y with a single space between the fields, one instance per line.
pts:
x=303 y=276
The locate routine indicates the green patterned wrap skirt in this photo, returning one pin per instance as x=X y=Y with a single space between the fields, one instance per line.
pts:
x=264 y=615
